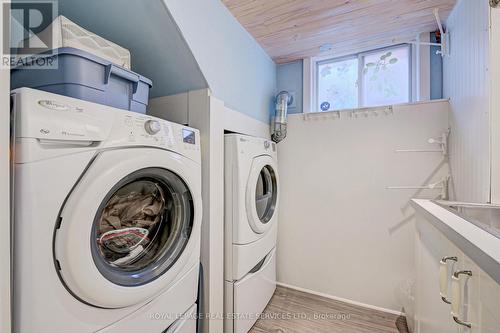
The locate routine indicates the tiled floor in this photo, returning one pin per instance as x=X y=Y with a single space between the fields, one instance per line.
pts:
x=291 y=311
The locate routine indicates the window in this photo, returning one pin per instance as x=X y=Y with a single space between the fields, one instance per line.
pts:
x=338 y=84
x=380 y=77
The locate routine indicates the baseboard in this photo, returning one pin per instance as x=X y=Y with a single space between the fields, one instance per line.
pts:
x=368 y=306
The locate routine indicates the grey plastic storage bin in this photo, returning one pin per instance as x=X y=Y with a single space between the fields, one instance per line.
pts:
x=82 y=75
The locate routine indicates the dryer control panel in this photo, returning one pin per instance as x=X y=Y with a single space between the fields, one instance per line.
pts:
x=252 y=146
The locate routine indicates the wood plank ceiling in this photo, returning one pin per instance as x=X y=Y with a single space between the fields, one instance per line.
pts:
x=295 y=29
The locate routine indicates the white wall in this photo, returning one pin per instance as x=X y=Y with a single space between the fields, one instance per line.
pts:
x=5 y=271
x=341 y=232
x=237 y=69
x=466 y=83
x=495 y=105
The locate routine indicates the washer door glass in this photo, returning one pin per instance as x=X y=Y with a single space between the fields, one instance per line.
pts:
x=142 y=227
x=266 y=193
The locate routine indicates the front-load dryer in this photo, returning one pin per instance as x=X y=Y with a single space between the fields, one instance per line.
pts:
x=106 y=221
x=251 y=222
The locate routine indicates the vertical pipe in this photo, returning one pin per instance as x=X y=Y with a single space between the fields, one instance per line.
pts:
x=278 y=130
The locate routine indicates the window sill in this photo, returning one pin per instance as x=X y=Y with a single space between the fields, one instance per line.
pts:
x=376 y=108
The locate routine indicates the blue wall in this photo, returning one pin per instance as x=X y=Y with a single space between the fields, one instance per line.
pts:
x=237 y=69
x=290 y=78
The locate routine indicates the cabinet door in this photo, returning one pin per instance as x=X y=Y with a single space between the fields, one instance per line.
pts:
x=489 y=298
x=481 y=294
x=432 y=314
x=481 y=300
x=470 y=308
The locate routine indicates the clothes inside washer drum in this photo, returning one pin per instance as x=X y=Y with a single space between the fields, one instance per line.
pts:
x=129 y=225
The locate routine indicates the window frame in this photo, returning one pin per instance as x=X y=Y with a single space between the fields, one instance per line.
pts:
x=316 y=77
x=315 y=63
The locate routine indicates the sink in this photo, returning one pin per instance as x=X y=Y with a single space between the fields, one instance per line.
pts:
x=484 y=216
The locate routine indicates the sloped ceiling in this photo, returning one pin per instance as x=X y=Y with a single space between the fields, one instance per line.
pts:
x=184 y=45
x=295 y=29
x=237 y=69
x=146 y=28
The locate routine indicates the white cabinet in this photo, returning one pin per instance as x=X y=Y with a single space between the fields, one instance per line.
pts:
x=480 y=304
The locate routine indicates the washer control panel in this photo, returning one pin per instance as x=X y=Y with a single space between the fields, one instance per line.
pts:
x=150 y=131
x=50 y=117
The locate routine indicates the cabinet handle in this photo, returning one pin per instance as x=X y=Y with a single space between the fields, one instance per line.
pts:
x=456 y=298
x=444 y=274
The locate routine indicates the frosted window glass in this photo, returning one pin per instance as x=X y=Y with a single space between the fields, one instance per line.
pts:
x=338 y=85
x=386 y=77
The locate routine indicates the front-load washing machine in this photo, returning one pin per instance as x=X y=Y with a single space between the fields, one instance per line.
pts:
x=251 y=220
x=106 y=221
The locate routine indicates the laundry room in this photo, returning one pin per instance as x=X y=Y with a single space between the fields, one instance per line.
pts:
x=232 y=166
